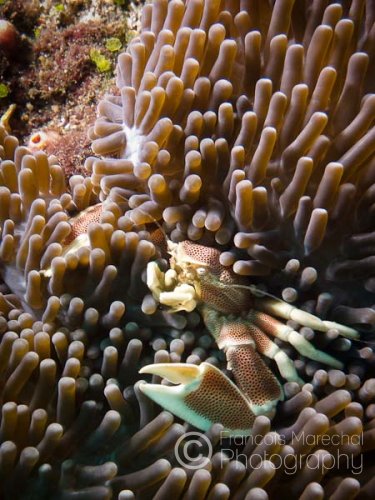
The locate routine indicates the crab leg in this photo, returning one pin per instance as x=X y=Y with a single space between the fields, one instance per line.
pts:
x=205 y=396
x=235 y=337
x=287 y=311
x=287 y=334
x=254 y=378
x=269 y=349
x=263 y=344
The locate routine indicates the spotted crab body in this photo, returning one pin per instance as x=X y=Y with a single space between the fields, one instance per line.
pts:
x=242 y=326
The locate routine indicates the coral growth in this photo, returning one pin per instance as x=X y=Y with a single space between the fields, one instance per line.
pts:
x=240 y=126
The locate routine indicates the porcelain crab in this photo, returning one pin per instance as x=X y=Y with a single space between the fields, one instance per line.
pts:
x=242 y=325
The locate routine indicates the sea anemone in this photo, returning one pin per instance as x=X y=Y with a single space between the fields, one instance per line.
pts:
x=241 y=125
x=250 y=128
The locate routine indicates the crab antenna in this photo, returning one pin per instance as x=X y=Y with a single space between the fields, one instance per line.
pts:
x=258 y=292
x=252 y=288
x=157 y=223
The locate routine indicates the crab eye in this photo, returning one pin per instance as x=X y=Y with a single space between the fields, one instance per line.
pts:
x=201 y=271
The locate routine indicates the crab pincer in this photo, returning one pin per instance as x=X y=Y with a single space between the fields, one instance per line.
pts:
x=204 y=396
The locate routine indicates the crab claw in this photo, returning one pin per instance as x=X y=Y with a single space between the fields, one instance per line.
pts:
x=205 y=396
